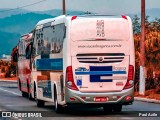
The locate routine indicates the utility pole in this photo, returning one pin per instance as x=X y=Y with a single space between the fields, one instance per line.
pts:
x=142 y=51
x=64 y=7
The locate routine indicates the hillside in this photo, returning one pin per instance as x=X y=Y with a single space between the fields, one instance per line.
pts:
x=57 y=12
x=7 y=42
x=152 y=13
x=11 y=28
x=7 y=12
x=53 y=12
x=21 y=23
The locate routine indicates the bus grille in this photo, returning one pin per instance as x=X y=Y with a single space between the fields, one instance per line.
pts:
x=100 y=57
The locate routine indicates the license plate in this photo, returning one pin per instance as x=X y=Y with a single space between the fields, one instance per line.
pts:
x=101 y=99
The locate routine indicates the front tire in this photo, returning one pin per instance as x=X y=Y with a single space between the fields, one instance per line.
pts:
x=19 y=84
x=30 y=96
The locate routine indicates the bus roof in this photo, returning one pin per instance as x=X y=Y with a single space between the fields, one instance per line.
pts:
x=50 y=20
x=27 y=36
x=86 y=15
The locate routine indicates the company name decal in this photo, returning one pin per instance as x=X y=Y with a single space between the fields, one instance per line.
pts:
x=99 y=46
x=81 y=69
x=85 y=71
x=119 y=68
x=100 y=28
x=100 y=73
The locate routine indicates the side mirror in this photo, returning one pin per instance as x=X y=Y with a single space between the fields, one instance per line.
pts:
x=15 y=57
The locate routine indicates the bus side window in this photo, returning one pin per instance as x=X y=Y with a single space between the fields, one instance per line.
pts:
x=28 y=52
x=65 y=28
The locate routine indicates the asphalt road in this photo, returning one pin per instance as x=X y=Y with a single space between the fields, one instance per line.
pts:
x=11 y=100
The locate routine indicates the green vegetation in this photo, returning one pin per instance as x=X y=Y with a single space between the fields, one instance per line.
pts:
x=152 y=52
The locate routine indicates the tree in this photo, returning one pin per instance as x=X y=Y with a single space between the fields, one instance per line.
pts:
x=136 y=25
x=152 y=45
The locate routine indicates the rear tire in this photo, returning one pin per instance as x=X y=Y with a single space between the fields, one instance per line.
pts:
x=40 y=103
x=57 y=108
x=23 y=94
x=117 y=108
x=108 y=108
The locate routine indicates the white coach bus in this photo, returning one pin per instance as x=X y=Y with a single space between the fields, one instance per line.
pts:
x=85 y=60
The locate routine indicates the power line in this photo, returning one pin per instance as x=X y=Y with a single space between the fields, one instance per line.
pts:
x=23 y=6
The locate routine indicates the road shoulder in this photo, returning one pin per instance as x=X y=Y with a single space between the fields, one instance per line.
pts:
x=8 y=79
x=147 y=100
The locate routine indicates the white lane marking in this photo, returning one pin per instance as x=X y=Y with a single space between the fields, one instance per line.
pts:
x=9 y=92
x=15 y=105
x=126 y=118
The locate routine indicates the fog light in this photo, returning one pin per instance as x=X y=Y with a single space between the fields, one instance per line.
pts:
x=118 y=96
x=128 y=98
x=83 y=98
x=72 y=99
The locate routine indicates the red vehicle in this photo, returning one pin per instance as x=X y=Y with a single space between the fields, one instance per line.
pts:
x=24 y=64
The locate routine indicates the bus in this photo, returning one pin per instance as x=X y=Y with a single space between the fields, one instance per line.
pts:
x=24 y=64
x=87 y=60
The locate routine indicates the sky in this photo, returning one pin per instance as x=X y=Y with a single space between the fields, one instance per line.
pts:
x=97 y=6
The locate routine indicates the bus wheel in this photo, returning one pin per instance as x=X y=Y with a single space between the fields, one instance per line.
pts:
x=117 y=108
x=23 y=94
x=30 y=96
x=19 y=84
x=29 y=93
x=108 y=108
x=35 y=94
x=40 y=103
x=57 y=108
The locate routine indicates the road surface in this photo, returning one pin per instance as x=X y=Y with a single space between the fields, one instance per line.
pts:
x=11 y=100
